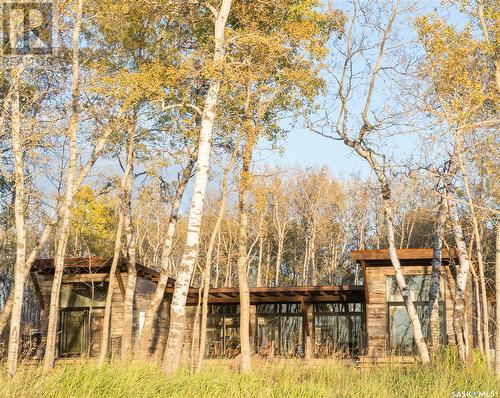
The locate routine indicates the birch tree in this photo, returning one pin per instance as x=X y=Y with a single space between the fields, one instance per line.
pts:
x=209 y=254
x=354 y=44
x=124 y=215
x=497 y=307
x=19 y=206
x=166 y=256
x=434 y=328
x=464 y=97
x=62 y=241
x=130 y=245
x=173 y=349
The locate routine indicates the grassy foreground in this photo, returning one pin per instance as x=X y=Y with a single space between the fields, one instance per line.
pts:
x=288 y=380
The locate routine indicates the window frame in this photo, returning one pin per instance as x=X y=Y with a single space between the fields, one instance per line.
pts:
x=417 y=304
x=337 y=314
x=223 y=315
x=282 y=314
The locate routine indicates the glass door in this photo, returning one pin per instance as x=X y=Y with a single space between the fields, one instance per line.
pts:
x=74 y=335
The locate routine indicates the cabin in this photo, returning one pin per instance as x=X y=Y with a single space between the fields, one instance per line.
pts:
x=367 y=321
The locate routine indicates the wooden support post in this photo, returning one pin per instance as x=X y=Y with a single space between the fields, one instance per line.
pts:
x=307 y=309
x=121 y=285
x=253 y=329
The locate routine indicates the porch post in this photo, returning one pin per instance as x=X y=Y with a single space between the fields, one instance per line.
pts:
x=307 y=309
x=253 y=328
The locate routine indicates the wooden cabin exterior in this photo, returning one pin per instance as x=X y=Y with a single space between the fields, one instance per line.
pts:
x=363 y=321
x=388 y=328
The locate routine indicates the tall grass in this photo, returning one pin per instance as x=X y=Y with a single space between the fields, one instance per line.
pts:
x=292 y=379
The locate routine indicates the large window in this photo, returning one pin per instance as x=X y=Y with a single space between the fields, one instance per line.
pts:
x=338 y=328
x=280 y=330
x=83 y=294
x=82 y=311
x=223 y=331
x=401 y=341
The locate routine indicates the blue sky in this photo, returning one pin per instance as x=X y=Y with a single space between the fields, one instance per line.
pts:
x=304 y=148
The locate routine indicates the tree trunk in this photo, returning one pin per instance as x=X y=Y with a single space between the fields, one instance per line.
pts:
x=312 y=254
x=405 y=293
x=62 y=242
x=258 y=280
x=497 y=304
x=461 y=331
x=126 y=186
x=6 y=310
x=147 y=329
x=211 y=244
x=173 y=350
x=106 y=323
x=479 y=323
x=49 y=228
x=217 y=260
x=278 y=258
x=369 y=156
x=242 y=253
x=479 y=252
x=130 y=239
x=19 y=206
x=434 y=327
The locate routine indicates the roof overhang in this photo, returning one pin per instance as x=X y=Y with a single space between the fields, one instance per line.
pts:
x=281 y=294
x=406 y=256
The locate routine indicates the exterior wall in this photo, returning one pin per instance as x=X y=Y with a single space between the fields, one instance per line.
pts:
x=375 y=277
x=376 y=305
x=144 y=293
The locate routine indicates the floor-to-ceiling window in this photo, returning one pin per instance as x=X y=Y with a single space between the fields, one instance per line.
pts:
x=223 y=331
x=280 y=330
x=338 y=328
x=82 y=310
x=399 y=328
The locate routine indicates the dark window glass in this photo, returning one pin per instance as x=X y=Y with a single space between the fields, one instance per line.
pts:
x=291 y=336
x=223 y=331
x=418 y=285
x=337 y=333
x=291 y=308
x=268 y=335
x=339 y=308
x=215 y=337
x=83 y=294
x=231 y=336
x=400 y=330
x=223 y=309
x=280 y=330
x=268 y=308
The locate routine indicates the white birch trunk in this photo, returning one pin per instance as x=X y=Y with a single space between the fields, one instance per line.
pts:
x=459 y=323
x=211 y=244
x=278 y=258
x=258 y=280
x=479 y=252
x=49 y=228
x=126 y=188
x=147 y=329
x=497 y=304
x=19 y=207
x=405 y=293
x=130 y=239
x=173 y=349
x=434 y=327
x=62 y=242
x=479 y=323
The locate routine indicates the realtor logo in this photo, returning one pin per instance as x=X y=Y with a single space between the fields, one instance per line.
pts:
x=27 y=28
